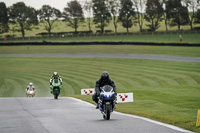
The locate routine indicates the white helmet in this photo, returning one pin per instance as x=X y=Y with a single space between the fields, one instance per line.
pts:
x=30 y=84
x=55 y=74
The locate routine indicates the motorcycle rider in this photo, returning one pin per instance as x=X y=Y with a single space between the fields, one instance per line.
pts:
x=30 y=85
x=104 y=80
x=55 y=76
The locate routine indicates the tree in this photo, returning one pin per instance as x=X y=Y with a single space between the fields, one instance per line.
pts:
x=177 y=14
x=88 y=10
x=192 y=5
x=139 y=7
x=73 y=13
x=3 y=18
x=101 y=14
x=48 y=15
x=114 y=8
x=154 y=14
x=127 y=14
x=23 y=16
x=197 y=17
x=165 y=12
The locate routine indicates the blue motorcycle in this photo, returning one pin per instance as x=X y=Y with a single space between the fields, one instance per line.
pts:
x=107 y=99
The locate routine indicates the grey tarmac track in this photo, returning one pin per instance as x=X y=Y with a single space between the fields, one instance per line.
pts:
x=70 y=115
x=127 y=56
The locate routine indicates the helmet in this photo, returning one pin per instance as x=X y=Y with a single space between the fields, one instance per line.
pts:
x=55 y=74
x=104 y=75
x=30 y=84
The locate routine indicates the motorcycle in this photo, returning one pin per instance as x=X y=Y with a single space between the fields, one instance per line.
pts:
x=55 y=88
x=107 y=99
x=30 y=92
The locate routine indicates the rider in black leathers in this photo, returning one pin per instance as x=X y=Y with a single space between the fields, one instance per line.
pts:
x=104 y=80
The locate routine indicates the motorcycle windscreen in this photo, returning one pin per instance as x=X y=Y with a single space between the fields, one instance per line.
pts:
x=107 y=88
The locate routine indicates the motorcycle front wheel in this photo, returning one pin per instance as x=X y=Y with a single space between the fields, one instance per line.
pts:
x=56 y=93
x=107 y=111
x=29 y=95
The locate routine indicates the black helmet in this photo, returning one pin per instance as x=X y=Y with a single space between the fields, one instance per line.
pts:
x=104 y=75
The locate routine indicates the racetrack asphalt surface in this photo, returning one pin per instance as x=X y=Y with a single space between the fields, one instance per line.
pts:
x=126 y=56
x=70 y=115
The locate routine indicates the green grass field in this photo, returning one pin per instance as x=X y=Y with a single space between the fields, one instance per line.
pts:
x=163 y=90
x=161 y=38
x=166 y=91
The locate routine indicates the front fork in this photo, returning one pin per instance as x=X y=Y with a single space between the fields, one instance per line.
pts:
x=102 y=106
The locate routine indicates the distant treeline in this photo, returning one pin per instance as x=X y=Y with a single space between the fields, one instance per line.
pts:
x=100 y=13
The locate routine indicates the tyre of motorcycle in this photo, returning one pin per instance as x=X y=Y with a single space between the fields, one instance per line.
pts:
x=107 y=109
x=56 y=93
x=29 y=95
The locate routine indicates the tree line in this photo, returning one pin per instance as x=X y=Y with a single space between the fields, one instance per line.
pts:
x=101 y=13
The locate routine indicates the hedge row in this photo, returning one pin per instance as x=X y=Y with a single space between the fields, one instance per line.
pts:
x=98 y=43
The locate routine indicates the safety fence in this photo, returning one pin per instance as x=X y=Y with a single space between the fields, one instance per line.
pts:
x=90 y=34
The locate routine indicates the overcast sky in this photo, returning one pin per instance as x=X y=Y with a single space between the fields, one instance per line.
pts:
x=37 y=4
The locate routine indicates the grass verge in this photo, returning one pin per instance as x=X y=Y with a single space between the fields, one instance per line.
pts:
x=163 y=90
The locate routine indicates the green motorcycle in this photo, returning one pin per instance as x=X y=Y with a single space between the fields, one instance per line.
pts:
x=55 y=88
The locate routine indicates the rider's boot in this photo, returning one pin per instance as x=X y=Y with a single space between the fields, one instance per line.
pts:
x=97 y=107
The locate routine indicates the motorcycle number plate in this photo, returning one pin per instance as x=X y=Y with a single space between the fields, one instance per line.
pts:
x=107 y=103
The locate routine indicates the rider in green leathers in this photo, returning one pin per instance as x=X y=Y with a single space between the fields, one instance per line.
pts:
x=55 y=76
